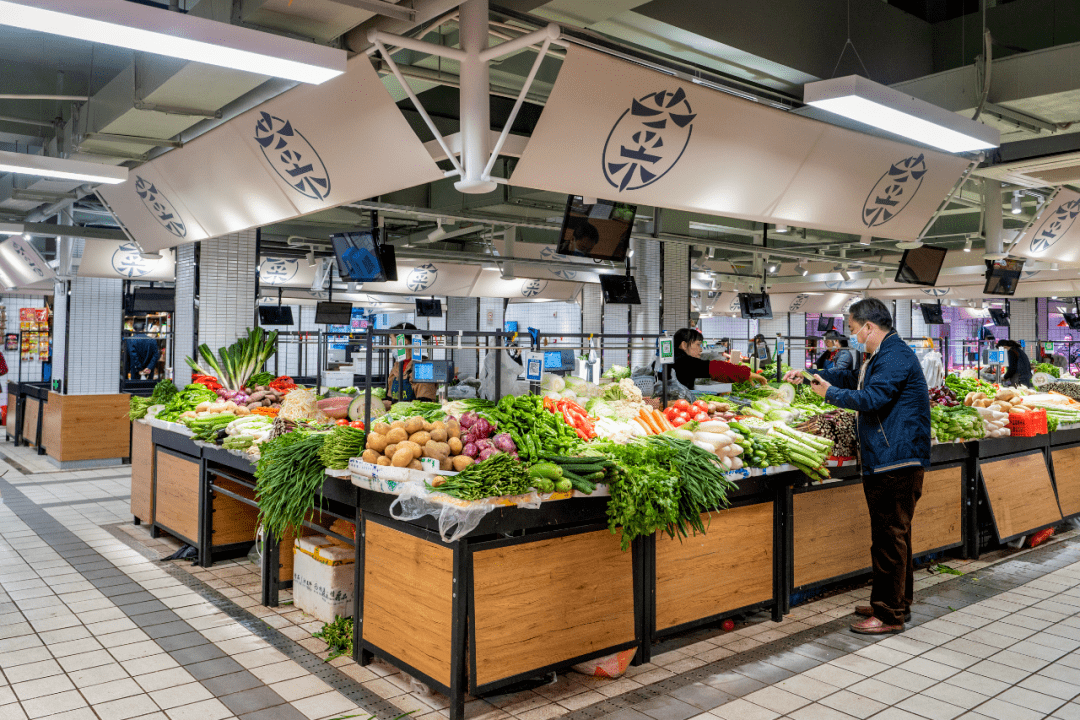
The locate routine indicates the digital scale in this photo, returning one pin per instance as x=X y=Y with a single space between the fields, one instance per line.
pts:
x=433 y=371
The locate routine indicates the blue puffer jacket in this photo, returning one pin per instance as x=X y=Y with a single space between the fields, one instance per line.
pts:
x=893 y=405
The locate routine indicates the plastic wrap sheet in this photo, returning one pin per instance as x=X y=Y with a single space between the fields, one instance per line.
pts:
x=457 y=518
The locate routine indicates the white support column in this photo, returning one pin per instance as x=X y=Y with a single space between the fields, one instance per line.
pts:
x=475 y=98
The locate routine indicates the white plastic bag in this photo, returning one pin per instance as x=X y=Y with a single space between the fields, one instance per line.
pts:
x=457 y=518
x=508 y=382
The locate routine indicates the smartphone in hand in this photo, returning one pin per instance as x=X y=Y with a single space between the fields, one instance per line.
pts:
x=808 y=376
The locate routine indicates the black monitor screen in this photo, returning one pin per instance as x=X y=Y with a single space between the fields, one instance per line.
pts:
x=825 y=324
x=599 y=230
x=1073 y=320
x=359 y=256
x=932 y=314
x=619 y=290
x=755 y=306
x=428 y=308
x=1000 y=317
x=333 y=313
x=153 y=300
x=1002 y=277
x=275 y=315
x=920 y=266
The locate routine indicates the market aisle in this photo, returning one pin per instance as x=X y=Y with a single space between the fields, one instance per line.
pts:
x=92 y=626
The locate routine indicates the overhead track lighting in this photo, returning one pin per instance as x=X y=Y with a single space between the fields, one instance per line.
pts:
x=630 y=254
x=781 y=228
x=59 y=168
x=802 y=270
x=1017 y=207
x=866 y=239
x=185 y=36
x=868 y=102
x=311 y=258
x=27 y=236
x=11 y=229
x=967 y=245
x=438 y=232
x=845 y=274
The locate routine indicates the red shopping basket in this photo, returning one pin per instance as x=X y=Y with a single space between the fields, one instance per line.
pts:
x=1027 y=424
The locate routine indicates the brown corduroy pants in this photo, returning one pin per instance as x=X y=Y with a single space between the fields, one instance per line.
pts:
x=891 y=499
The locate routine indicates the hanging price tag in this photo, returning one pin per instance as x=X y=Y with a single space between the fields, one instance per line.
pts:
x=534 y=367
x=402 y=349
x=417 y=353
x=779 y=347
x=667 y=351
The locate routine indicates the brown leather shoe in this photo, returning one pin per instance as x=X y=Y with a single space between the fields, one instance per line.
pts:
x=873 y=626
x=867 y=611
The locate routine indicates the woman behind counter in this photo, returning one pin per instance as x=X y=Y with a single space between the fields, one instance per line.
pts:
x=1019 y=372
x=836 y=355
x=689 y=366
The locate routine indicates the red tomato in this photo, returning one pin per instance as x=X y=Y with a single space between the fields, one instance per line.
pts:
x=702 y=417
x=681 y=404
x=671 y=413
x=342 y=421
x=679 y=421
x=684 y=416
x=701 y=406
x=728 y=625
x=357 y=424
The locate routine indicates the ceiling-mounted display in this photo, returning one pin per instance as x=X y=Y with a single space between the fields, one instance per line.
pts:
x=1055 y=234
x=312 y=148
x=626 y=133
x=597 y=229
x=815 y=302
x=114 y=258
x=584 y=269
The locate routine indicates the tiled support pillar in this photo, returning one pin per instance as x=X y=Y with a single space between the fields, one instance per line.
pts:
x=461 y=314
x=676 y=288
x=491 y=318
x=645 y=318
x=183 y=320
x=94 y=336
x=902 y=317
x=227 y=267
x=1023 y=324
x=59 y=332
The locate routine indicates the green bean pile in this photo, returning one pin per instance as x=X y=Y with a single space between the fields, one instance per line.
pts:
x=497 y=476
x=289 y=474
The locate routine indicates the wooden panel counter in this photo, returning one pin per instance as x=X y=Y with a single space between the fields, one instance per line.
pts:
x=84 y=430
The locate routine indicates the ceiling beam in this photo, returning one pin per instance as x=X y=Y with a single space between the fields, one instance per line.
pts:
x=52 y=229
x=380 y=7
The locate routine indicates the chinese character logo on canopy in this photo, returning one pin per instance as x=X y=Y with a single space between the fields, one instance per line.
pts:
x=937 y=292
x=893 y=192
x=159 y=206
x=1055 y=227
x=798 y=302
x=532 y=288
x=278 y=271
x=128 y=261
x=648 y=139
x=17 y=245
x=548 y=253
x=292 y=156
x=422 y=277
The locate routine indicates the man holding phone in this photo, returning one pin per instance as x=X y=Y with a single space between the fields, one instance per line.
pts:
x=892 y=402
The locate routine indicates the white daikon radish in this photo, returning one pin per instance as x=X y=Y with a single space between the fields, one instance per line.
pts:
x=704 y=446
x=714 y=426
x=713 y=439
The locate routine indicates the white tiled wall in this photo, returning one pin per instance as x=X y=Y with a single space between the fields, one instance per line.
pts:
x=1023 y=324
x=184 y=317
x=591 y=308
x=94 y=343
x=902 y=317
x=647 y=271
x=676 y=287
x=226 y=288
x=59 y=329
x=30 y=370
x=461 y=314
x=290 y=348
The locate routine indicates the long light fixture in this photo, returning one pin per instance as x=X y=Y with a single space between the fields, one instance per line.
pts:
x=868 y=102
x=60 y=168
x=11 y=229
x=179 y=35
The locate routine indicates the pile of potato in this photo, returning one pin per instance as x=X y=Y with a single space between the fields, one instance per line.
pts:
x=1006 y=400
x=403 y=442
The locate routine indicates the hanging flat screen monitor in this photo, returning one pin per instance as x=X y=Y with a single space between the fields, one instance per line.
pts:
x=932 y=314
x=1002 y=276
x=361 y=257
x=1073 y=320
x=597 y=229
x=153 y=300
x=1000 y=317
x=428 y=308
x=920 y=266
x=333 y=313
x=275 y=315
x=755 y=306
x=619 y=290
x=825 y=324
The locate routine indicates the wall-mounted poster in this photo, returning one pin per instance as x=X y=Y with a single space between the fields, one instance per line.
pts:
x=11 y=341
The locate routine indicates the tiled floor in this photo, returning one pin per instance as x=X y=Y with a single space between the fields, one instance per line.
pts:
x=94 y=625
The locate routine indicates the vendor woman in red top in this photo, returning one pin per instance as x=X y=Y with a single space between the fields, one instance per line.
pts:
x=689 y=366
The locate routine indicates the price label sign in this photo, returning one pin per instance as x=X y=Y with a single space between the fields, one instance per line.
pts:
x=534 y=367
x=779 y=347
x=401 y=351
x=417 y=353
x=667 y=351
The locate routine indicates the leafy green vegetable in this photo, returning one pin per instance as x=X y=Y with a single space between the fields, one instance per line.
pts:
x=338 y=637
x=235 y=364
x=164 y=391
x=497 y=476
x=1049 y=369
x=617 y=372
x=288 y=476
x=260 y=378
x=429 y=411
x=185 y=400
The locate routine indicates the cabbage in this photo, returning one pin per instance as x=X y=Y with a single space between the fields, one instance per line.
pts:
x=617 y=372
x=552 y=382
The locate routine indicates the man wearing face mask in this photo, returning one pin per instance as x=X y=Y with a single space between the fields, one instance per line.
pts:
x=889 y=394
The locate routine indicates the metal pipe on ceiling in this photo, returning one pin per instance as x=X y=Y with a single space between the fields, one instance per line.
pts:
x=63 y=98
x=24 y=121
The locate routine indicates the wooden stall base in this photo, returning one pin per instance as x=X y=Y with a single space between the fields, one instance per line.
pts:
x=30 y=418
x=10 y=427
x=234 y=521
x=177 y=487
x=1067 y=478
x=142 y=472
x=832 y=533
x=706 y=575
x=408 y=599
x=540 y=602
x=939 y=514
x=1021 y=495
x=86 y=427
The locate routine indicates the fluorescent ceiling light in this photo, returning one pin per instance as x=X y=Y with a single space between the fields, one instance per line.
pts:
x=11 y=229
x=60 y=168
x=868 y=102
x=178 y=35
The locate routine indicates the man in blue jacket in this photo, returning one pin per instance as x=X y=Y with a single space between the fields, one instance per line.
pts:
x=889 y=394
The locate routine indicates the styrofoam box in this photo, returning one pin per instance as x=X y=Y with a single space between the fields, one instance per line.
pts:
x=396 y=474
x=325 y=591
x=337 y=378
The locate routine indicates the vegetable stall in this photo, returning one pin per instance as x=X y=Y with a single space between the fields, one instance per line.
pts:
x=478 y=524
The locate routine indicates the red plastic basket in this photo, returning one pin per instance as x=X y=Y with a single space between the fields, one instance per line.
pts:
x=1027 y=424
